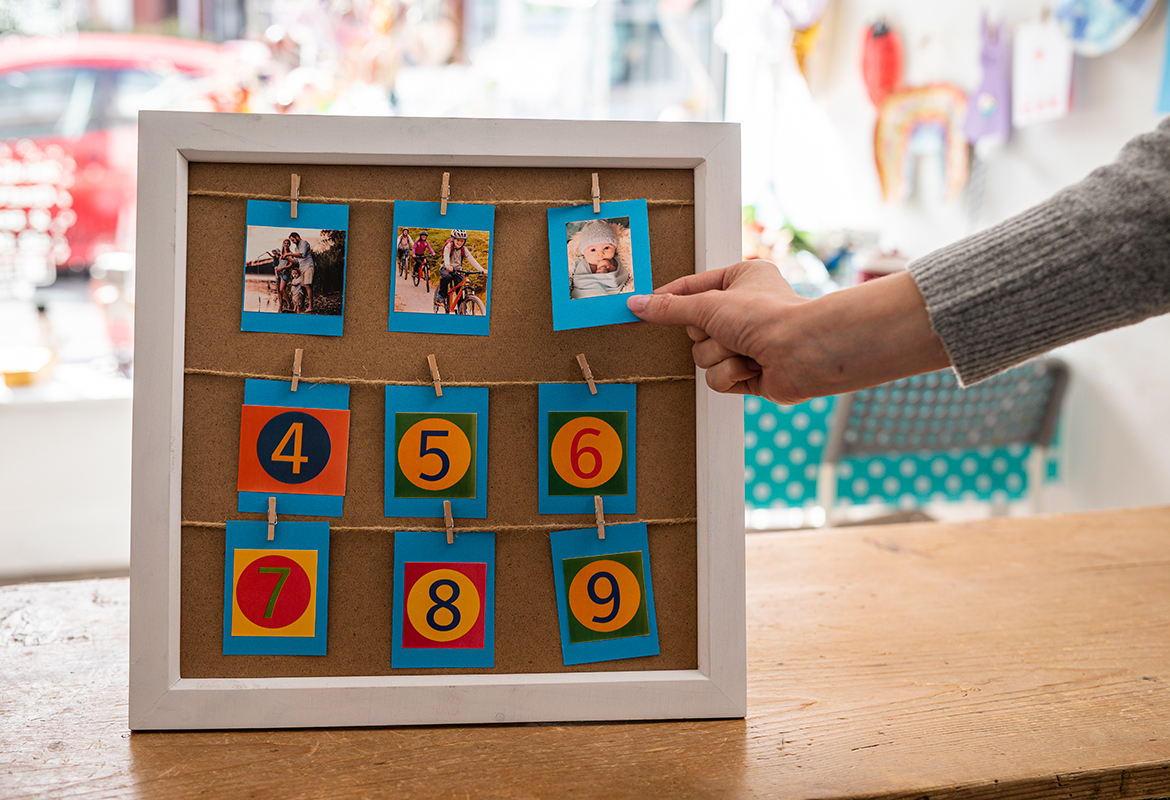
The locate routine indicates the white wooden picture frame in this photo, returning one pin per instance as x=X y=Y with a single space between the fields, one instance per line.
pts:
x=159 y=697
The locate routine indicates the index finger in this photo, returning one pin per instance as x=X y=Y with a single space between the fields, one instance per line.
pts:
x=694 y=284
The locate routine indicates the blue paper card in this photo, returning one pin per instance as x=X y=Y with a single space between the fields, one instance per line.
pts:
x=276 y=593
x=315 y=443
x=597 y=261
x=294 y=269
x=605 y=597
x=436 y=450
x=587 y=446
x=444 y=600
x=425 y=239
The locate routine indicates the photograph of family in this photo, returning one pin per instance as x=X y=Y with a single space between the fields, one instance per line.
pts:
x=294 y=271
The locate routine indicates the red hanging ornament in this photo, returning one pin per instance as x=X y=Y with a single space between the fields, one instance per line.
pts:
x=881 y=61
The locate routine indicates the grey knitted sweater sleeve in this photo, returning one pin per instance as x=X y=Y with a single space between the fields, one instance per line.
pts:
x=1093 y=257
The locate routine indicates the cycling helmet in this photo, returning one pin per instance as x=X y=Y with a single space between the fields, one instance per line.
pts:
x=458 y=234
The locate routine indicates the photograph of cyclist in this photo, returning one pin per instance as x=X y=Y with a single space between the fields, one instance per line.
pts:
x=600 y=257
x=444 y=271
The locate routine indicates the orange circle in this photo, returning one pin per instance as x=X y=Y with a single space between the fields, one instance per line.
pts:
x=586 y=452
x=607 y=579
x=443 y=605
x=434 y=454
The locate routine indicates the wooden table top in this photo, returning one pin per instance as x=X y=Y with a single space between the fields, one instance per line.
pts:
x=1000 y=659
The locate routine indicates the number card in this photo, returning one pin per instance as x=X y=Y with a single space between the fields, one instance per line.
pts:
x=436 y=450
x=294 y=269
x=294 y=446
x=587 y=447
x=597 y=260
x=425 y=239
x=605 y=599
x=275 y=592
x=444 y=600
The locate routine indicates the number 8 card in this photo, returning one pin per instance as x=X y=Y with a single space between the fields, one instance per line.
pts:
x=587 y=448
x=436 y=450
x=605 y=599
x=293 y=446
x=444 y=600
x=275 y=592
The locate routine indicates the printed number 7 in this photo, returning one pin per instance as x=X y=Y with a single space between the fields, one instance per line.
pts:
x=427 y=451
x=283 y=572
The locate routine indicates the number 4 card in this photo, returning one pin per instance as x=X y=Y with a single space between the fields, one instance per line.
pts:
x=444 y=600
x=605 y=599
x=293 y=446
x=587 y=448
x=275 y=592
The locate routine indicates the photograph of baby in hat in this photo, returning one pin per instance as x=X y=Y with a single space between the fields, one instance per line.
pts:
x=600 y=257
x=596 y=257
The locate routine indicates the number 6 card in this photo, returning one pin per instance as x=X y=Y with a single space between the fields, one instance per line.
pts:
x=293 y=446
x=605 y=599
x=587 y=448
x=436 y=450
x=275 y=592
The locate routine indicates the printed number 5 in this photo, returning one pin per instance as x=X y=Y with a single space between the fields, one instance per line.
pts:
x=427 y=451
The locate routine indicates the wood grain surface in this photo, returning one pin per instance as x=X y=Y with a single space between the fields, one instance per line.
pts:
x=999 y=659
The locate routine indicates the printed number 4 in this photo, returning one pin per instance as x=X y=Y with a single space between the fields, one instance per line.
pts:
x=295 y=432
x=427 y=451
x=283 y=572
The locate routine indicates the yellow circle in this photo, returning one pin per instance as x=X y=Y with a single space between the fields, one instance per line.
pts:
x=434 y=454
x=607 y=578
x=586 y=452
x=442 y=612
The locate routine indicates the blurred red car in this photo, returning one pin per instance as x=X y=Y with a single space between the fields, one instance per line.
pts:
x=68 y=111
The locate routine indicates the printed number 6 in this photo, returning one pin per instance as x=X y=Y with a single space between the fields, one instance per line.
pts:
x=427 y=451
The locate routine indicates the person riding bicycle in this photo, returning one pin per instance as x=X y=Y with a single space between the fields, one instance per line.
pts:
x=455 y=255
x=405 y=245
x=421 y=248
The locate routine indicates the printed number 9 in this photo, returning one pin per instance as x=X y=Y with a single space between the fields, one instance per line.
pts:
x=614 y=596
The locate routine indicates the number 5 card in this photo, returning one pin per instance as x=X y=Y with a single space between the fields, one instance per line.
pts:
x=275 y=592
x=294 y=446
x=444 y=600
x=605 y=599
x=436 y=450
x=587 y=448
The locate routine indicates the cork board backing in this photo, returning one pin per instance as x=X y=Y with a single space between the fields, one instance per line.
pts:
x=522 y=347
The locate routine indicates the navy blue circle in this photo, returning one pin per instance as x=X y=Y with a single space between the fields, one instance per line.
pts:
x=315 y=447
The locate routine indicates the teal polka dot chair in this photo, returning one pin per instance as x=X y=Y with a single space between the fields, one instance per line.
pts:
x=931 y=413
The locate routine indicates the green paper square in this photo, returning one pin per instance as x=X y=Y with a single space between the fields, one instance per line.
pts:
x=606 y=579
x=465 y=486
x=616 y=485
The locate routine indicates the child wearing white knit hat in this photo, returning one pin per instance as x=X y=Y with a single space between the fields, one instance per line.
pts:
x=599 y=270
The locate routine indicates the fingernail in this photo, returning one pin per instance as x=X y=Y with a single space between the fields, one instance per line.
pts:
x=638 y=302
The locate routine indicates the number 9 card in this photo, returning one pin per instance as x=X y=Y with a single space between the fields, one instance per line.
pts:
x=587 y=448
x=275 y=592
x=605 y=599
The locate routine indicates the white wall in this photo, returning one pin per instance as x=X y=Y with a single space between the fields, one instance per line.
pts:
x=1117 y=420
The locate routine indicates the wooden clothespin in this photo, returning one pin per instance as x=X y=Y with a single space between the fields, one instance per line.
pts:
x=600 y=516
x=596 y=195
x=450 y=522
x=435 y=375
x=588 y=373
x=445 y=193
x=297 y=367
x=295 y=193
x=271 y=518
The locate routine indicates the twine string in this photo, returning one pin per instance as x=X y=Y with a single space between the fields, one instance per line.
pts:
x=546 y=526
x=322 y=199
x=354 y=381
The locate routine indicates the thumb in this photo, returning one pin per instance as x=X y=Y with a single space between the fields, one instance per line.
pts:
x=665 y=309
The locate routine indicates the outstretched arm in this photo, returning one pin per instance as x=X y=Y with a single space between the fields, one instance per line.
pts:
x=754 y=335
